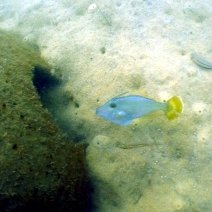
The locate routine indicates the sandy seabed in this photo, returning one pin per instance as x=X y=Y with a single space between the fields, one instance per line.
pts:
x=104 y=48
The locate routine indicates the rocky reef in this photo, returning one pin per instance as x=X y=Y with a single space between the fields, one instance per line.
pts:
x=40 y=170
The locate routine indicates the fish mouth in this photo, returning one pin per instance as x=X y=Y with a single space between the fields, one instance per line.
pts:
x=98 y=111
x=101 y=113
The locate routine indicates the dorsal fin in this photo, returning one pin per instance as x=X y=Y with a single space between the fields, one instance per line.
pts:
x=122 y=94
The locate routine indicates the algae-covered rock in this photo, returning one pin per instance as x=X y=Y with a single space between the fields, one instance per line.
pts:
x=39 y=169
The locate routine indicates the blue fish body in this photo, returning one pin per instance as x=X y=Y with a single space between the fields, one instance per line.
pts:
x=122 y=110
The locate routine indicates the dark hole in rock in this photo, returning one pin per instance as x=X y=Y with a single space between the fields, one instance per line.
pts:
x=43 y=80
x=49 y=88
x=22 y=116
x=14 y=146
x=76 y=105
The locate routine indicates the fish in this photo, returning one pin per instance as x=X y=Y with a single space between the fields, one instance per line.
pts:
x=123 y=110
x=201 y=61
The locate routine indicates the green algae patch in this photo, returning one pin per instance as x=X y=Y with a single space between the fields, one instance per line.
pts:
x=39 y=169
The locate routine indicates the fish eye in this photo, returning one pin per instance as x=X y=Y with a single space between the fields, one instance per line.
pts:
x=113 y=105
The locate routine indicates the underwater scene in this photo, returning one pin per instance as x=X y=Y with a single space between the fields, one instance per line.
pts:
x=106 y=105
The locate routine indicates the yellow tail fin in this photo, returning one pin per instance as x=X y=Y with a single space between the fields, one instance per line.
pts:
x=174 y=107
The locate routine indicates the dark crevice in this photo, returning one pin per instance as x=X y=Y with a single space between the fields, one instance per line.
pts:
x=52 y=96
x=43 y=80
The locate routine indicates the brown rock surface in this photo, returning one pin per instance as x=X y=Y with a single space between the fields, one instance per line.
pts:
x=39 y=169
